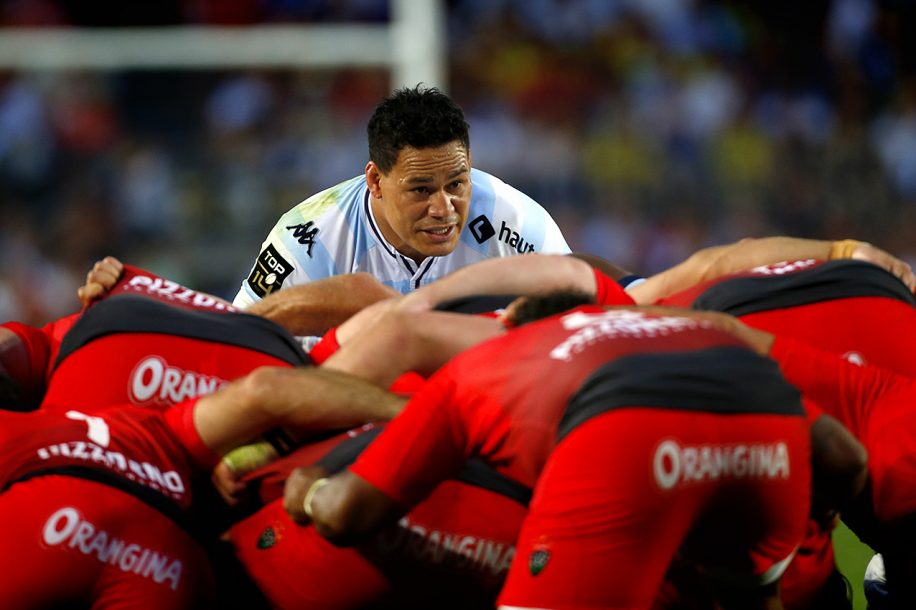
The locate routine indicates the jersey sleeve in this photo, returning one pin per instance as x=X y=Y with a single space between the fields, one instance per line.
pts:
x=326 y=347
x=278 y=266
x=521 y=224
x=841 y=388
x=313 y=240
x=424 y=445
x=554 y=242
x=609 y=292
x=180 y=420
x=25 y=356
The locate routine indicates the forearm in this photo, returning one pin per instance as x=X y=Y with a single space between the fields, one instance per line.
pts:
x=400 y=342
x=515 y=275
x=716 y=261
x=313 y=308
x=305 y=399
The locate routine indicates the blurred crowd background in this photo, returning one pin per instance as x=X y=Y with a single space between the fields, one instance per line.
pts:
x=648 y=128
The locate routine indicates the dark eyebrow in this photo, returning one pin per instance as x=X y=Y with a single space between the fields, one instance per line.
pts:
x=429 y=179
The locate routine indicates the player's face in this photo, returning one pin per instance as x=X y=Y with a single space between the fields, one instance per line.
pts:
x=421 y=205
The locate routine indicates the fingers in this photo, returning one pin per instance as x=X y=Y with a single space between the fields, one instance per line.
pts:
x=902 y=270
x=296 y=489
x=227 y=483
x=89 y=292
x=105 y=272
x=100 y=279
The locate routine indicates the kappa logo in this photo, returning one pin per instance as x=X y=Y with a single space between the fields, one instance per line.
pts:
x=481 y=229
x=269 y=272
x=305 y=235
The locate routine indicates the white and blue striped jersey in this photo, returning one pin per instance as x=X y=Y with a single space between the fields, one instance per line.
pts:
x=334 y=233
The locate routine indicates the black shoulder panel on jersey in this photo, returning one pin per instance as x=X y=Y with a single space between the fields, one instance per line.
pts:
x=345 y=453
x=476 y=472
x=833 y=280
x=477 y=304
x=135 y=314
x=721 y=380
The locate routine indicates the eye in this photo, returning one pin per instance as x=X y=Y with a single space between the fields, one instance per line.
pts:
x=422 y=190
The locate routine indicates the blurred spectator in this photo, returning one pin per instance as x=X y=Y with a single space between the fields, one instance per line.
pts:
x=649 y=128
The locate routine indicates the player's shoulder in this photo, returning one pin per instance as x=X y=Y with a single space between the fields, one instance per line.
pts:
x=491 y=193
x=341 y=198
x=519 y=223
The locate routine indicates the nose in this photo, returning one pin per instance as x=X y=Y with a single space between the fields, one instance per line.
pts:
x=440 y=205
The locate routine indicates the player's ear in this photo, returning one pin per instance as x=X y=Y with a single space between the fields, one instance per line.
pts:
x=374 y=179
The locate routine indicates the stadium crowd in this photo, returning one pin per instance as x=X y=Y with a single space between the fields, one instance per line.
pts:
x=649 y=130
x=451 y=378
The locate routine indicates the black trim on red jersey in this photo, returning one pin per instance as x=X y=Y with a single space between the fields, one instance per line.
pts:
x=833 y=280
x=476 y=304
x=280 y=440
x=136 y=314
x=476 y=472
x=148 y=496
x=720 y=380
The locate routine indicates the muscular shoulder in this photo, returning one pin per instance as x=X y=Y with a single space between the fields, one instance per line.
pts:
x=320 y=230
x=342 y=199
x=508 y=221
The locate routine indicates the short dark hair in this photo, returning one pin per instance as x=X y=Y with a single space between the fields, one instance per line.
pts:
x=535 y=308
x=421 y=117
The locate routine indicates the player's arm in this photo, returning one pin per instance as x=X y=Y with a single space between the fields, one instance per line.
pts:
x=398 y=341
x=710 y=263
x=348 y=508
x=24 y=353
x=833 y=382
x=313 y=308
x=514 y=275
x=309 y=399
x=423 y=446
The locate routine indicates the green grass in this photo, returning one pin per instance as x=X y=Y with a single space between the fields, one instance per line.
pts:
x=852 y=556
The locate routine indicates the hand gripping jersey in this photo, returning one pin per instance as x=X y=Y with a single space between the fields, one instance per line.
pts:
x=334 y=233
x=150 y=341
x=451 y=551
x=130 y=349
x=638 y=430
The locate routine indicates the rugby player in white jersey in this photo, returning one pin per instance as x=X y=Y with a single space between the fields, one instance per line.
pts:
x=418 y=212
